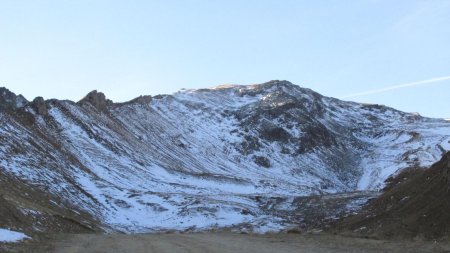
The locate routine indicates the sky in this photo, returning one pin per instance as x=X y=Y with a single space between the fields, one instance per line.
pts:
x=395 y=53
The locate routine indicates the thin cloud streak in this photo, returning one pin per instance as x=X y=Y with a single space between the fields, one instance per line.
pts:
x=400 y=86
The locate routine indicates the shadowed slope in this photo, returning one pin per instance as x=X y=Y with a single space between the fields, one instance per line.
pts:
x=414 y=203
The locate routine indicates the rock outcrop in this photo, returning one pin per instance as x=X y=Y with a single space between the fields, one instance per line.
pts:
x=9 y=100
x=39 y=106
x=97 y=100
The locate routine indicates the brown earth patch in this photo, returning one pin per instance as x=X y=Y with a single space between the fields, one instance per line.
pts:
x=416 y=203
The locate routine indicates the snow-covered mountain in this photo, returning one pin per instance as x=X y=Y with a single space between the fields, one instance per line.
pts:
x=228 y=156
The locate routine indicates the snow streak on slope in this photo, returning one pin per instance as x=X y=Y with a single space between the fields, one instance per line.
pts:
x=210 y=158
x=7 y=235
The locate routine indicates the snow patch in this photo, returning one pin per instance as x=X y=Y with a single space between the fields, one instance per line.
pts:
x=7 y=235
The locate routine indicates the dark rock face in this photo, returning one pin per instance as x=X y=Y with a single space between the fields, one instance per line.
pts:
x=96 y=99
x=293 y=120
x=262 y=161
x=9 y=100
x=316 y=135
x=272 y=132
x=290 y=112
x=39 y=106
x=249 y=145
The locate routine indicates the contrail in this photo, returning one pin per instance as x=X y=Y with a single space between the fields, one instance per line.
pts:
x=400 y=86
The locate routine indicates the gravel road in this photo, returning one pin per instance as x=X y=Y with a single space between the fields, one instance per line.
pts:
x=224 y=242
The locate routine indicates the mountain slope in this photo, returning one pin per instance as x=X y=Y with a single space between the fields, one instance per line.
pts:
x=203 y=158
x=415 y=203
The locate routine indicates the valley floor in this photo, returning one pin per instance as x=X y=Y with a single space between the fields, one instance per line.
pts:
x=222 y=242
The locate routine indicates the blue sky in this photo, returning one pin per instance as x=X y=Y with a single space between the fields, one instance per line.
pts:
x=64 y=49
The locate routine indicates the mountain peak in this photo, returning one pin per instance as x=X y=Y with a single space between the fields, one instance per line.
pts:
x=273 y=84
x=278 y=83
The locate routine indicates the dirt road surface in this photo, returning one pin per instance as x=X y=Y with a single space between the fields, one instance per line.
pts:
x=221 y=242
